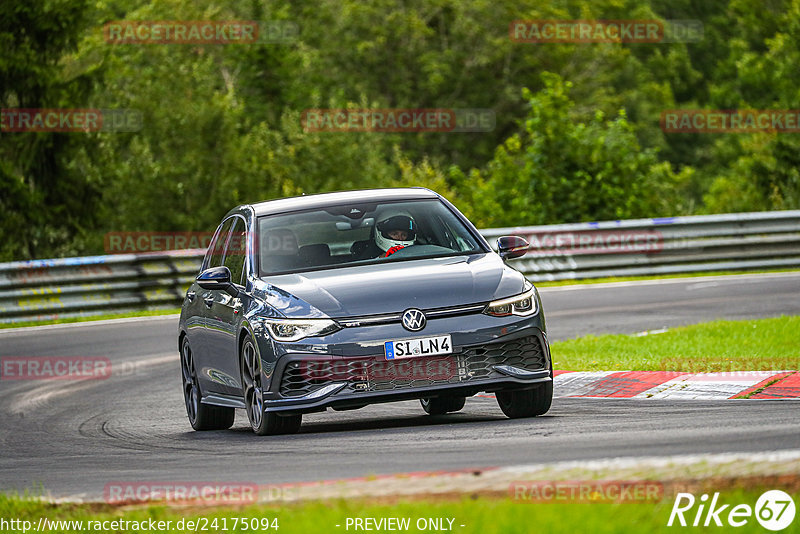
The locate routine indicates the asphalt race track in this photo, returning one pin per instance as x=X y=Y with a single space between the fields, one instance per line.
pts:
x=72 y=438
x=630 y=307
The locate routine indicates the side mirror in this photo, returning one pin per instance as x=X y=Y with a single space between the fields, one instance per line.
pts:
x=511 y=246
x=217 y=278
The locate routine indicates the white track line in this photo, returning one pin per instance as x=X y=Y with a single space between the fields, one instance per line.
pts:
x=663 y=281
x=104 y=322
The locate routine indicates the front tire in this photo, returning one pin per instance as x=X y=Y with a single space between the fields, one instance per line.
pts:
x=201 y=416
x=526 y=402
x=442 y=405
x=263 y=423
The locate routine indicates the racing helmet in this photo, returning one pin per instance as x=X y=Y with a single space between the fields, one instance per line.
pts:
x=395 y=223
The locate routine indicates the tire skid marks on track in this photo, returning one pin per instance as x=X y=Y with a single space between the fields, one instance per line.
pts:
x=45 y=391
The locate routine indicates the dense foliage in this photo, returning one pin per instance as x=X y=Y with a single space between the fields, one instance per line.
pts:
x=577 y=133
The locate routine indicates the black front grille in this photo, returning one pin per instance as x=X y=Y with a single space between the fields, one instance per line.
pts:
x=525 y=353
x=377 y=374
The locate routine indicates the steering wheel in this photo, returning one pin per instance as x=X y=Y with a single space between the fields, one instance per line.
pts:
x=395 y=249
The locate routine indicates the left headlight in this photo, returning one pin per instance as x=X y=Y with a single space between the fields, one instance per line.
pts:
x=523 y=304
x=297 y=329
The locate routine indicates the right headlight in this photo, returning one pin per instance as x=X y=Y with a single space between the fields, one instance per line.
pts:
x=297 y=329
x=523 y=304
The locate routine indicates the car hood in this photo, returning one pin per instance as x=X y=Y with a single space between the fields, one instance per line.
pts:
x=392 y=287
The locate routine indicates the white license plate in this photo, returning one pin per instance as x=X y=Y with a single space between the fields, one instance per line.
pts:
x=415 y=348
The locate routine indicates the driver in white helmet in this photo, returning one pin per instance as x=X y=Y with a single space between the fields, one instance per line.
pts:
x=395 y=233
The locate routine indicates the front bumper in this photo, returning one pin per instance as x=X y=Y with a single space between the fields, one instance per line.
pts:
x=304 y=383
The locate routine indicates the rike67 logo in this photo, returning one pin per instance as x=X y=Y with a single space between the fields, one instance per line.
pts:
x=774 y=510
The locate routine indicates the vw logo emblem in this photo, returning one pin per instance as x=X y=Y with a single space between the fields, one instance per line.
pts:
x=414 y=320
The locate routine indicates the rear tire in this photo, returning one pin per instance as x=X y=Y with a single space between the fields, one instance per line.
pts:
x=442 y=405
x=201 y=416
x=526 y=402
x=263 y=423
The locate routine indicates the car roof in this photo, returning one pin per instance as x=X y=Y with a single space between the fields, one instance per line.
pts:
x=324 y=200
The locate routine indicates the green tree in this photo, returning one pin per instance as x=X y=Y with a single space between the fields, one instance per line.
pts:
x=562 y=170
x=48 y=206
x=759 y=171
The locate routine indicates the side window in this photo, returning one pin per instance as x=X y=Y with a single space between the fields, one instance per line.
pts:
x=217 y=247
x=235 y=253
x=215 y=237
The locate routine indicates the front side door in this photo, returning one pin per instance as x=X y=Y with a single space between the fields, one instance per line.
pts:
x=204 y=299
x=224 y=318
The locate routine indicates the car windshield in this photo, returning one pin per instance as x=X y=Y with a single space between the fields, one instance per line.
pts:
x=357 y=234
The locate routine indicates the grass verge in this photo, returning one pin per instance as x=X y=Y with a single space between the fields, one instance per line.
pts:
x=754 y=345
x=478 y=514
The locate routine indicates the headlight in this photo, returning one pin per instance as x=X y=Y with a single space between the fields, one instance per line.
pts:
x=523 y=304
x=297 y=329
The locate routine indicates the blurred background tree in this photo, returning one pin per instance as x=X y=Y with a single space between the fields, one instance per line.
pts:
x=577 y=135
x=47 y=206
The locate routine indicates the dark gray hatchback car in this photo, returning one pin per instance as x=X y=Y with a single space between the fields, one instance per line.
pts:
x=346 y=299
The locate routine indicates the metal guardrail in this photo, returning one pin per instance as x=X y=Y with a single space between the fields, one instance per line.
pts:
x=641 y=247
x=69 y=287
x=75 y=287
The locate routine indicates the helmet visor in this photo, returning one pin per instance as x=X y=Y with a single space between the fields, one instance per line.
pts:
x=398 y=228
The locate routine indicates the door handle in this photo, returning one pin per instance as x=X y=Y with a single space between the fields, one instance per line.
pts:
x=190 y=295
x=209 y=301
